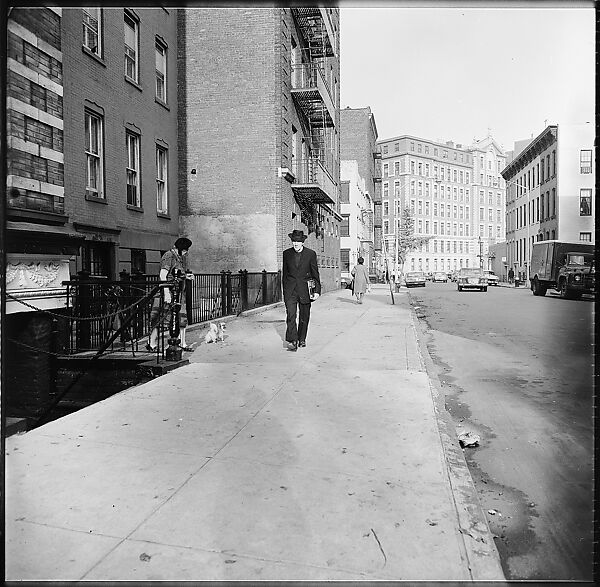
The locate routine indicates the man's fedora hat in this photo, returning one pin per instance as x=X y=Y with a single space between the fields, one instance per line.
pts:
x=298 y=236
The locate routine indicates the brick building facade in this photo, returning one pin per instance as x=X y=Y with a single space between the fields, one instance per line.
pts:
x=359 y=144
x=91 y=163
x=259 y=135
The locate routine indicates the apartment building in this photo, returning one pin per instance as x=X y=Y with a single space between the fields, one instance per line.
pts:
x=455 y=195
x=550 y=191
x=356 y=229
x=259 y=135
x=91 y=120
x=361 y=183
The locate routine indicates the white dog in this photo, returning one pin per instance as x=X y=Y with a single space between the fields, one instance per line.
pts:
x=215 y=332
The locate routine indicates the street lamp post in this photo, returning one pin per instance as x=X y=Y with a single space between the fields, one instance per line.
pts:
x=480 y=253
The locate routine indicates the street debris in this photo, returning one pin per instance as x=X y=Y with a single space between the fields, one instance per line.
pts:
x=494 y=512
x=431 y=522
x=145 y=557
x=468 y=439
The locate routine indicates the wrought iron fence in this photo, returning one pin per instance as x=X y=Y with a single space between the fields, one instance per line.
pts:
x=98 y=307
x=211 y=296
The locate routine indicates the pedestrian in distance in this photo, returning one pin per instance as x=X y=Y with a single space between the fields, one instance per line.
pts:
x=511 y=275
x=171 y=262
x=361 y=280
x=299 y=271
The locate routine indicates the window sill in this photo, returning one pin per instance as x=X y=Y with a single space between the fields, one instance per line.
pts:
x=133 y=83
x=164 y=215
x=91 y=198
x=161 y=103
x=135 y=208
x=93 y=55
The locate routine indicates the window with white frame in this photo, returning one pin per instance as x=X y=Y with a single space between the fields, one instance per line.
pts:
x=92 y=33
x=396 y=188
x=585 y=202
x=386 y=208
x=386 y=169
x=132 y=144
x=94 y=172
x=131 y=48
x=162 y=199
x=585 y=161
x=396 y=167
x=161 y=71
x=585 y=236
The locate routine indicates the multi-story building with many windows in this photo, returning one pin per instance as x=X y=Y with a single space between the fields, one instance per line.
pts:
x=454 y=193
x=259 y=135
x=91 y=112
x=550 y=192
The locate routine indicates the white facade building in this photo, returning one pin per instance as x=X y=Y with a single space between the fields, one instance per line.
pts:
x=455 y=193
x=356 y=229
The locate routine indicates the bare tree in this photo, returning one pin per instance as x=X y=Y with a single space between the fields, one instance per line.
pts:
x=406 y=239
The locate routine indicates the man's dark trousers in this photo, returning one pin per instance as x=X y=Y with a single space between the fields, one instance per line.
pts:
x=293 y=332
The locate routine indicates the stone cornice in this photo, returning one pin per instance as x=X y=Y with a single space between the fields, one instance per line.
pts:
x=531 y=152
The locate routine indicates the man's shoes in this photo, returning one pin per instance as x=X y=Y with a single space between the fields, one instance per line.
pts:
x=302 y=343
x=293 y=346
x=189 y=349
x=150 y=349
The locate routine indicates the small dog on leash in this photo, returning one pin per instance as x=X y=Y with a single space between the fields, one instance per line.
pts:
x=215 y=332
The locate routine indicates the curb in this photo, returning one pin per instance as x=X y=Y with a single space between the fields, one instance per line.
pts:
x=477 y=538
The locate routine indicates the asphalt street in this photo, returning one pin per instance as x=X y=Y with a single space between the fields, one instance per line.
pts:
x=518 y=371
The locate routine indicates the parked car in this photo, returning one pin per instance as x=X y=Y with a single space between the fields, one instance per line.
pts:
x=472 y=278
x=491 y=277
x=440 y=276
x=414 y=279
x=429 y=276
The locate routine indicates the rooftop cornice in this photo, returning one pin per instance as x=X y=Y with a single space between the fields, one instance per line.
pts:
x=529 y=153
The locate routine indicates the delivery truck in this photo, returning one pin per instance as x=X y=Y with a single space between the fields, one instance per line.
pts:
x=566 y=267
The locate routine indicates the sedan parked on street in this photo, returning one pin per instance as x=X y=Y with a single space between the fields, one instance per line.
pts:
x=440 y=276
x=472 y=278
x=491 y=277
x=415 y=279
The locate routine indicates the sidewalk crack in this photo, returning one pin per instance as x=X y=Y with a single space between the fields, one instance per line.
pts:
x=380 y=547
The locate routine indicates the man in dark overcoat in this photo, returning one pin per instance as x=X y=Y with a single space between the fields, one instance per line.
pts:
x=299 y=267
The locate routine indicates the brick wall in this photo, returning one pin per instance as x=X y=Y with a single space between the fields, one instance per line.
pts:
x=27 y=54
x=228 y=134
x=42 y=22
x=98 y=83
x=236 y=117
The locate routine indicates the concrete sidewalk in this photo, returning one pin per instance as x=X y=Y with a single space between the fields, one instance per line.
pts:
x=337 y=462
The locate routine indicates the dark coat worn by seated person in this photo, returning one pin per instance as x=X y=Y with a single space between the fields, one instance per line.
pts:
x=299 y=267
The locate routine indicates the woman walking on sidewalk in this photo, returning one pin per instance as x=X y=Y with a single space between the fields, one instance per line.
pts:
x=361 y=280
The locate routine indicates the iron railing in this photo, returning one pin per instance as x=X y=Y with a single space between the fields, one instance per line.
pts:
x=211 y=296
x=97 y=307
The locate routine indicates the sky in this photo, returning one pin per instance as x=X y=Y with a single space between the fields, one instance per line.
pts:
x=450 y=72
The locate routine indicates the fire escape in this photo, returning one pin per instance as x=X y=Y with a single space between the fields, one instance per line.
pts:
x=316 y=169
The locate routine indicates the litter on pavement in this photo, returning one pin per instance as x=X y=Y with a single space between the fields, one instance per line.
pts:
x=468 y=439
